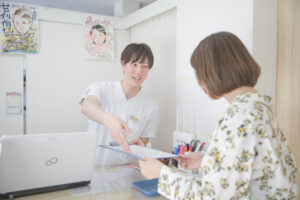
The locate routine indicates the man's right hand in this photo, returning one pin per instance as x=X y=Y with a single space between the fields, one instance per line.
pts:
x=117 y=127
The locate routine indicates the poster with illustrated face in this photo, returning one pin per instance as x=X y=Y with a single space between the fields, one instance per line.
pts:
x=18 y=28
x=98 y=38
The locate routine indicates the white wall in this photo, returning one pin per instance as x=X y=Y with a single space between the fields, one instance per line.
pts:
x=11 y=80
x=159 y=33
x=265 y=44
x=197 y=19
x=125 y=7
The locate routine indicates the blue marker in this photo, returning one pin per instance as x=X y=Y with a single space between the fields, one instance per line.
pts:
x=178 y=150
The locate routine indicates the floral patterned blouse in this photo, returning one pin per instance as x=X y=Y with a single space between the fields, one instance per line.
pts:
x=248 y=158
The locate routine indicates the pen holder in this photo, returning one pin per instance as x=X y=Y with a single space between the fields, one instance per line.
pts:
x=180 y=138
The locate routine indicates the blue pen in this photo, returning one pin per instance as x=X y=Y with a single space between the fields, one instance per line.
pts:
x=178 y=150
x=174 y=150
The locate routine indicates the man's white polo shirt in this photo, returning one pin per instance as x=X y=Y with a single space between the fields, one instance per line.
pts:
x=139 y=113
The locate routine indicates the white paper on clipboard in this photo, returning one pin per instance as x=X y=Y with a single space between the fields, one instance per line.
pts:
x=139 y=152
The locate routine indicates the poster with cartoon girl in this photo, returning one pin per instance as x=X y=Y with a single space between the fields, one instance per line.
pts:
x=98 y=38
x=18 y=28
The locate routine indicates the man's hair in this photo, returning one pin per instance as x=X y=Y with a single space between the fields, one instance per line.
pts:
x=222 y=63
x=135 y=52
x=23 y=12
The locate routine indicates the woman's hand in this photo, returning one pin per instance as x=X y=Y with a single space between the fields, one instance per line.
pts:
x=150 y=167
x=190 y=161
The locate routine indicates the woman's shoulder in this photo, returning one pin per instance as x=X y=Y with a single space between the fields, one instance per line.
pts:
x=245 y=111
x=249 y=104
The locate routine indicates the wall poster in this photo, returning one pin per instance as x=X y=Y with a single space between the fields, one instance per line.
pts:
x=98 y=38
x=18 y=28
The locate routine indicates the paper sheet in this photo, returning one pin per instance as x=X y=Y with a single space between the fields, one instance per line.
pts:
x=138 y=152
x=13 y=103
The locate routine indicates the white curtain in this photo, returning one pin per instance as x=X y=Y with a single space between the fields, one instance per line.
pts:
x=159 y=33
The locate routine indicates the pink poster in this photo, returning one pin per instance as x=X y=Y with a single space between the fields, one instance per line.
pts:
x=98 y=38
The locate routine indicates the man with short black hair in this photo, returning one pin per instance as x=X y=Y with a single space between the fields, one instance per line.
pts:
x=119 y=111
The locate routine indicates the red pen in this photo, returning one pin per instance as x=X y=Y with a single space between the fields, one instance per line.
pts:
x=182 y=149
x=202 y=146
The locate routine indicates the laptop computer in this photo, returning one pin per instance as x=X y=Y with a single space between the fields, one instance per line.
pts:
x=36 y=163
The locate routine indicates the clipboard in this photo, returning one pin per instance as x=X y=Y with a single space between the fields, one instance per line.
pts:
x=138 y=152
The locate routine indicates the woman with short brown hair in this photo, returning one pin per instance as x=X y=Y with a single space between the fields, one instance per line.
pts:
x=248 y=156
x=223 y=63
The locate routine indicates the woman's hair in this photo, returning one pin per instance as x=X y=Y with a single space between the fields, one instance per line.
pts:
x=222 y=63
x=135 y=52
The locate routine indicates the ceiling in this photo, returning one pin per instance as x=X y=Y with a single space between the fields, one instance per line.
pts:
x=101 y=7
